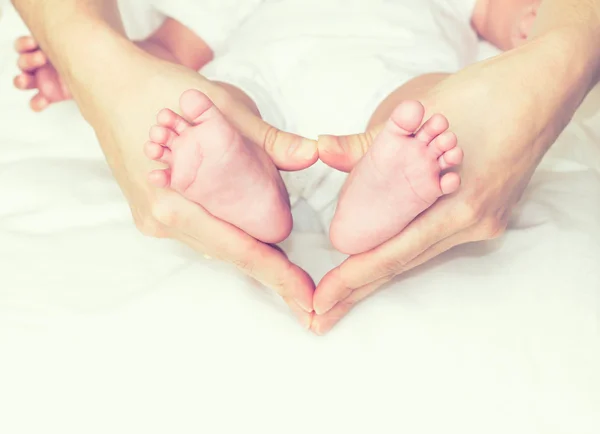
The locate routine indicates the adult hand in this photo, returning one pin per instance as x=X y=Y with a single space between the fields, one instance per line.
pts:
x=121 y=111
x=506 y=112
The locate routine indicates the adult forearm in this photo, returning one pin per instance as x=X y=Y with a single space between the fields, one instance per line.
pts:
x=48 y=15
x=580 y=14
x=577 y=23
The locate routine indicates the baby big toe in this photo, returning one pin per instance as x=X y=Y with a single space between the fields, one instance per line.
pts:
x=196 y=106
x=407 y=117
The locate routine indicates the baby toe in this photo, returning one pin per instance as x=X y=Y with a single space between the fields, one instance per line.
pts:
x=153 y=151
x=443 y=143
x=453 y=157
x=162 y=135
x=449 y=183
x=169 y=119
x=434 y=126
x=160 y=178
x=167 y=157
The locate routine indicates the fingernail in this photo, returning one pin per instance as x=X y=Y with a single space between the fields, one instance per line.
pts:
x=305 y=149
x=317 y=329
x=293 y=147
x=325 y=307
x=303 y=318
x=265 y=284
x=307 y=308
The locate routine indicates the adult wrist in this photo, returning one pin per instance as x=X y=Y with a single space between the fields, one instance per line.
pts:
x=576 y=50
x=568 y=64
x=87 y=57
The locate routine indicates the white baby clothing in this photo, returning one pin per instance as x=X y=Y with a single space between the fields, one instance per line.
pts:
x=323 y=66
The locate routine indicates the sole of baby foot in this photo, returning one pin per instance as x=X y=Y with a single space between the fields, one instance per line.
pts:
x=210 y=163
x=400 y=176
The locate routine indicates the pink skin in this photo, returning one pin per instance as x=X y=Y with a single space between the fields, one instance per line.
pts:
x=38 y=73
x=524 y=25
x=505 y=23
x=209 y=163
x=398 y=178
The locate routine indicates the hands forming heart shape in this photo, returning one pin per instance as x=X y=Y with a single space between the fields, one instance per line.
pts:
x=490 y=106
x=209 y=163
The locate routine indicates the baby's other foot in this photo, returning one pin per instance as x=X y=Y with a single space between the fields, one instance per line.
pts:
x=211 y=164
x=397 y=179
x=38 y=73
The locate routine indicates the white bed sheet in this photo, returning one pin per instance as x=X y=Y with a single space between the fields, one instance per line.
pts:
x=103 y=330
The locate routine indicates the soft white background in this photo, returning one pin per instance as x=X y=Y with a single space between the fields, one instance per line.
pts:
x=104 y=331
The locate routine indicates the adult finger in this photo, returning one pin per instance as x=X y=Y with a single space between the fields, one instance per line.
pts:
x=344 y=152
x=440 y=222
x=303 y=316
x=207 y=234
x=323 y=323
x=25 y=44
x=288 y=151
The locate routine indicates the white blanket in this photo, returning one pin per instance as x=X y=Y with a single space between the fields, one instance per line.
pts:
x=105 y=331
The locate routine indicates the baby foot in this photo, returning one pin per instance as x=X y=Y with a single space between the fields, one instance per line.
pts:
x=38 y=73
x=211 y=164
x=396 y=180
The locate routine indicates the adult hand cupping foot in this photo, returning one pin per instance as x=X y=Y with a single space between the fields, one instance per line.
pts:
x=120 y=93
x=122 y=106
x=506 y=112
x=165 y=213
